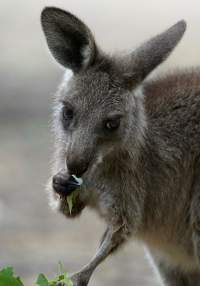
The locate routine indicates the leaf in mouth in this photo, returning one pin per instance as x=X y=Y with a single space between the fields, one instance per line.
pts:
x=72 y=197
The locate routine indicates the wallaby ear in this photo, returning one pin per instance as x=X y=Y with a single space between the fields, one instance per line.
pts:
x=68 y=38
x=152 y=53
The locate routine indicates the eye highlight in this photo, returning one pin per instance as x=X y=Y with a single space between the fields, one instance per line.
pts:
x=112 y=124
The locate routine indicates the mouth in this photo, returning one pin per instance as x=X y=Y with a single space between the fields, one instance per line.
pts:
x=64 y=187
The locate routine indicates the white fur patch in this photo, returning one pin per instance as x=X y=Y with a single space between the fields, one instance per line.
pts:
x=54 y=201
x=139 y=95
x=67 y=75
x=99 y=159
x=138 y=92
x=86 y=54
x=153 y=265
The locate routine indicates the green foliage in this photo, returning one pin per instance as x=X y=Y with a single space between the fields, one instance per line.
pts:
x=71 y=199
x=61 y=277
x=7 y=278
x=42 y=280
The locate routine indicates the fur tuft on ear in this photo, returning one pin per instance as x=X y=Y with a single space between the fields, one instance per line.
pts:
x=69 y=39
x=149 y=55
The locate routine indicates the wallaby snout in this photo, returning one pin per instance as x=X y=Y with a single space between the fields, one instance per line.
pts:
x=79 y=154
x=63 y=184
x=77 y=166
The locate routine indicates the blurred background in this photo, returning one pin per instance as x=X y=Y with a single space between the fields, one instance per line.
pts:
x=33 y=238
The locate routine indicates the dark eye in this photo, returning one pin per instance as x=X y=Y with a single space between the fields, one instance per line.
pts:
x=112 y=124
x=67 y=114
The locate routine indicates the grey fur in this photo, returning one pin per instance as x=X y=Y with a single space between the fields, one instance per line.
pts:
x=142 y=179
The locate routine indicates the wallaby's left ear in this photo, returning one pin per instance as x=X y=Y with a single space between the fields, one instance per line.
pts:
x=69 y=39
x=152 y=53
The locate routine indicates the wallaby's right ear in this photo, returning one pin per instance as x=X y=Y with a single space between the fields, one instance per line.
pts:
x=69 y=39
x=152 y=53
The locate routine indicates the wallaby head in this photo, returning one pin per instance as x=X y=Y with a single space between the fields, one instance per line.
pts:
x=99 y=110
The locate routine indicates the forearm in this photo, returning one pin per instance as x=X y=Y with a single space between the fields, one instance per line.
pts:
x=112 y=239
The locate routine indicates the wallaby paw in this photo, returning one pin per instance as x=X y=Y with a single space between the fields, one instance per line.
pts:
x=77 y=279
x=80 y=278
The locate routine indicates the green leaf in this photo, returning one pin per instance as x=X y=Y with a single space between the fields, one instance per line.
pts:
x=68 y=281
x=42 y=280
x=53 y=283
x=70 y=202
x=60 y=277
x=63 y=276
x=8 y=271
x=71 y=199
x=60 y=268
x=19 y=280
x=7 y=277
x=9 y=281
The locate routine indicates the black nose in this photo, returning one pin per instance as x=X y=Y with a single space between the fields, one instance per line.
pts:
x=77 y=168
x=60 y=179
x=64 y=184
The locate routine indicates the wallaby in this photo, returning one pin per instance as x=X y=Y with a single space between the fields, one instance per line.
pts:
x=135 y=142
